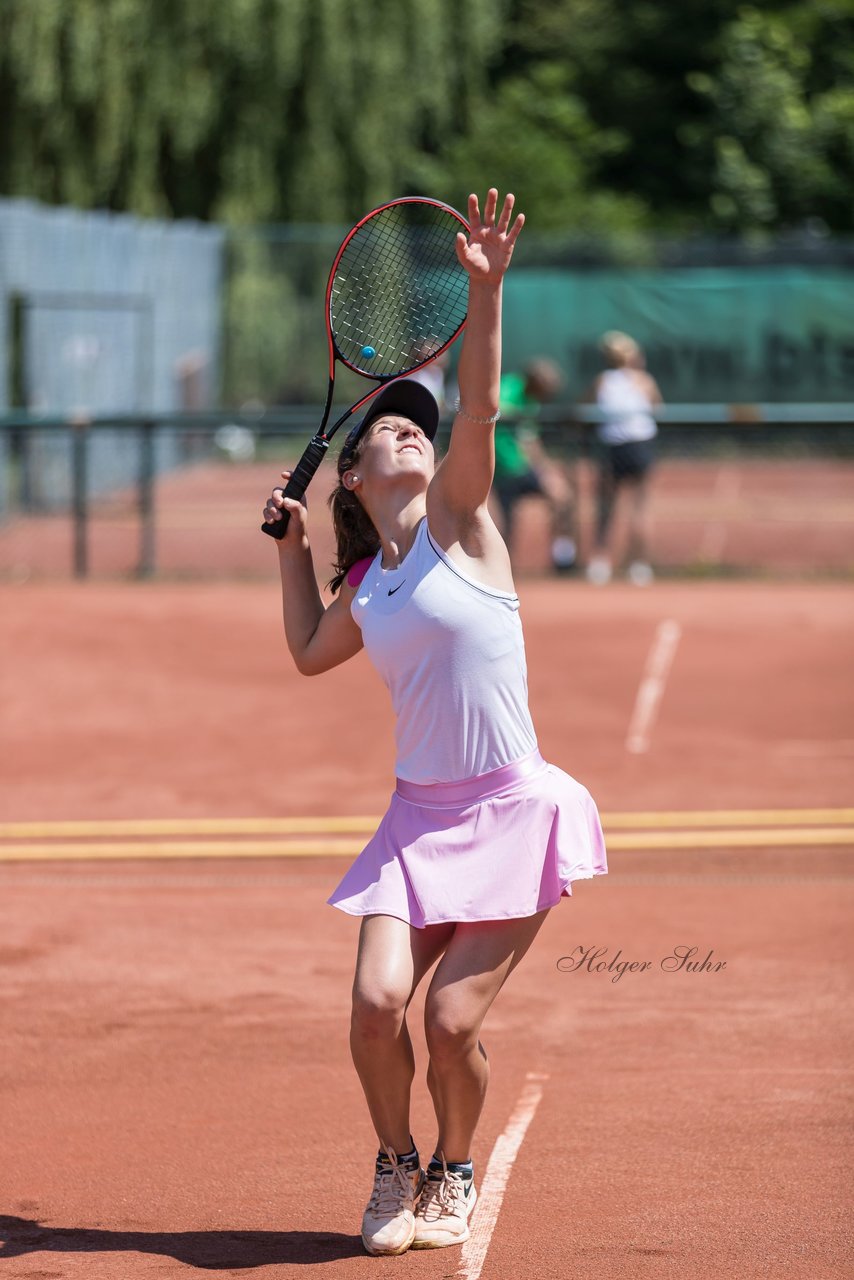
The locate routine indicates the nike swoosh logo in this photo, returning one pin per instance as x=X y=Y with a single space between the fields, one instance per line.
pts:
x=392 y=590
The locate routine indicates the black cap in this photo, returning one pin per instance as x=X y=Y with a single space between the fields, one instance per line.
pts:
x=406 y=396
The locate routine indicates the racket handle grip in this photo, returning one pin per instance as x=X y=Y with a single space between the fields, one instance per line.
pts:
x=298 y=483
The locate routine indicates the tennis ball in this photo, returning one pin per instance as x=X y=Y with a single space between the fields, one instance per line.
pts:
x=368 y=353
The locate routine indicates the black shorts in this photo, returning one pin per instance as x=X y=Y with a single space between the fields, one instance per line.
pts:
x=509 y=488
x=629 y=461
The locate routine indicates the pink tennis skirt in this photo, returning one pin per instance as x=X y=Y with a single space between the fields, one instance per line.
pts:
x=499 y=846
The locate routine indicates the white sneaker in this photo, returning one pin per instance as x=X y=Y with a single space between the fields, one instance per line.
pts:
x=388 y=1223
x=640 y=573
x=444 y=1209
x=599 y=571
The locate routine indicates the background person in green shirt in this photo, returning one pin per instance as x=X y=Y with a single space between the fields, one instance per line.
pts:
x=522 y=466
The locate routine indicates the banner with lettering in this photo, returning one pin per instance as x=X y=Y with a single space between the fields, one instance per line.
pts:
x=772 y=334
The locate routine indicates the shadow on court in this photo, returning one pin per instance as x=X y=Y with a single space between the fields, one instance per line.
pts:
x=210 y=1250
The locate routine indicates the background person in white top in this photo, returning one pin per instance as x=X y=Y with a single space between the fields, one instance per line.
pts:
x=627 y=396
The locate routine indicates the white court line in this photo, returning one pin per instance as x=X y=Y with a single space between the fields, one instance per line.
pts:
x=652 y=685
x=491 y=1191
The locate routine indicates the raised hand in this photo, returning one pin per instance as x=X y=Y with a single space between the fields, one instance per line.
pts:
x=487 y=251
x=277 y=504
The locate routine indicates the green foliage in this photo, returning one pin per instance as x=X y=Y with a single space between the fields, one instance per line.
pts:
x=535 y=137
x=628 y=65
x=602 y=116
x=783 y=148
x=251 y=110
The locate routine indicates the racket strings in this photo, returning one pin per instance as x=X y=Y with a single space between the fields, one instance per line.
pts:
x=399 y=293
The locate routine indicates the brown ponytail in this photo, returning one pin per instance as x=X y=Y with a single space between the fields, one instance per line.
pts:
x=355 y=535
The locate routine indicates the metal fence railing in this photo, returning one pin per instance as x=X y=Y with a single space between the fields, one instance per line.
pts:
x=737 y=489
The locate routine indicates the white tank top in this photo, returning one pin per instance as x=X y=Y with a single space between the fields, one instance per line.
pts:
x=626 y=409
x=451 y=652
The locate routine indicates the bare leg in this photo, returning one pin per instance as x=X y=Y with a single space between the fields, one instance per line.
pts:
x=566 y=511
x=392 y=959
x=558 y=492
x=477 y=962
x=639 y=521
x=606 y=494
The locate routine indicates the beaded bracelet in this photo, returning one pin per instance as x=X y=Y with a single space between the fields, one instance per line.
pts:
x=484 y=422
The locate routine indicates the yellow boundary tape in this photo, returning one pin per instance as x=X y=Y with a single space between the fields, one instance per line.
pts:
x=367 y=824
x=190 y=827
x=838 y=838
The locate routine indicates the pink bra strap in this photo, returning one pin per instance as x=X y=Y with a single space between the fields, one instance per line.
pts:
x=357 y=571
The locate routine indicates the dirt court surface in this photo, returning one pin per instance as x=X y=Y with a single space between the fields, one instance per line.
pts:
x=178 y=1097
x=779 y=518
x=145 y=701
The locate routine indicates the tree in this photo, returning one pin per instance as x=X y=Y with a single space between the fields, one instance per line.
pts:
x=254 y=110
x=601 y=115
x=783 y=113
x=534 y=136
x=627 y=65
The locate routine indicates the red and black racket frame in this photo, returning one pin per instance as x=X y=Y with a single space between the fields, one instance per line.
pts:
x=315 y=450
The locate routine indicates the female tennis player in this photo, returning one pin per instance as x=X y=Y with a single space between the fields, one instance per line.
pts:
x=482 y=837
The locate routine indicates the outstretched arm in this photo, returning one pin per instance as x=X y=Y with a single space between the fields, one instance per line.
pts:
x=464 y=477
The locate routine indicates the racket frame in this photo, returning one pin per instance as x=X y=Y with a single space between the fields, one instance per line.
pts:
x=315 y=451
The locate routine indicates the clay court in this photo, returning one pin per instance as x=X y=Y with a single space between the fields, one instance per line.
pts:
x=771 y=516
x=207 y=213
x=178 y=805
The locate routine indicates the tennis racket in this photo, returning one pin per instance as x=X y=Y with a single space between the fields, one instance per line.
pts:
x=395 y=300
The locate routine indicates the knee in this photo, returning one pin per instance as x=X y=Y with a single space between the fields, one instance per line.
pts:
x=377 y=1013
x=449 y=1038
